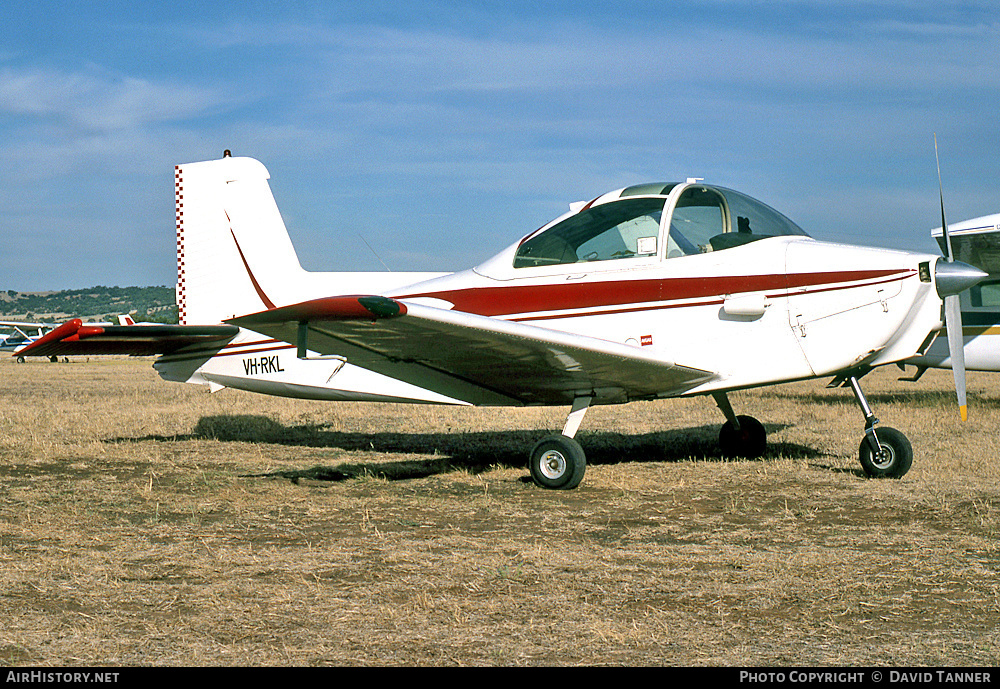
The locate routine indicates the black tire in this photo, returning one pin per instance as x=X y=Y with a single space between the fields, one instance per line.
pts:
x=749 y=442
x=893 y=461
x=557 y=462
x=20 y=359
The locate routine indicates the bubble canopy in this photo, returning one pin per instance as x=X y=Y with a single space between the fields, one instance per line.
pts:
x=654 y=220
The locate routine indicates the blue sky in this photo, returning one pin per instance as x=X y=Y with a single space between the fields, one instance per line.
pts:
x=441 y=132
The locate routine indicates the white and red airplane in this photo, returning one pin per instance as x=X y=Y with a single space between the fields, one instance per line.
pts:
x=651 y=291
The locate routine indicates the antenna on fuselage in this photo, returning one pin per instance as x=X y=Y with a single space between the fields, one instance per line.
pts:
x=374 y=252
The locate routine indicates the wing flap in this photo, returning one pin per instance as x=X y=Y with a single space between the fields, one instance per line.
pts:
x=475 y=358
x=74 y=337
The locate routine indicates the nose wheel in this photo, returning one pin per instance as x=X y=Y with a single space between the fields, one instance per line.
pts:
x=893 y=457
x=885 y=453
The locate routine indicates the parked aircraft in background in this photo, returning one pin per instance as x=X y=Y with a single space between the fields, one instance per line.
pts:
x=651 y=291
x=976 y=242
x=21 y=335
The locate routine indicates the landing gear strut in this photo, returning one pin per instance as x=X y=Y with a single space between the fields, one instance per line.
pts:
x=558 y=461
x=885 y=454
x=741 y=436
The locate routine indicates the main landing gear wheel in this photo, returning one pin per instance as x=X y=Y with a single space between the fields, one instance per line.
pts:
x=749 y=441
x=894 y=457
x=557 y=462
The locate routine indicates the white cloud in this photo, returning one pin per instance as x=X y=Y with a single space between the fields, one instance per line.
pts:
x=97 y=101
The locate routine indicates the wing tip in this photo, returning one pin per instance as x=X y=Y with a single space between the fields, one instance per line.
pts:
x=383 y=307
x=67 y=329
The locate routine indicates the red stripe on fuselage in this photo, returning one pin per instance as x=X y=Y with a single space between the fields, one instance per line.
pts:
x=257 y=351
x=253 y=343
x=529 y=299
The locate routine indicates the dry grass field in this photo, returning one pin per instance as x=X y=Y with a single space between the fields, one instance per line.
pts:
x=152 y=523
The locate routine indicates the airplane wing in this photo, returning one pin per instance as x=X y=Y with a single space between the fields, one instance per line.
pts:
x=474 y=358
x=77 y=338
x=24 y=324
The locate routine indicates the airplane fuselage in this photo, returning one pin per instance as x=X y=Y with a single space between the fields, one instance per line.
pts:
x=778 y=309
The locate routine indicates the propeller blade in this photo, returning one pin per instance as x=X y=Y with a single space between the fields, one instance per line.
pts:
x=959 y=276
x=944 y=223
x=956 y=349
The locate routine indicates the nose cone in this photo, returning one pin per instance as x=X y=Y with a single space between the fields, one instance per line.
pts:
x=955 y=276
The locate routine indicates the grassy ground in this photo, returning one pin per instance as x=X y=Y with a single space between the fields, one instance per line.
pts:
x=151 y=523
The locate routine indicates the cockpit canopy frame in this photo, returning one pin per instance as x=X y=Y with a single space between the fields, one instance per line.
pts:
x=653 y=221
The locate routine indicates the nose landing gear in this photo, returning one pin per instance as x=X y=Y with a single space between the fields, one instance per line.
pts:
x=885 y=453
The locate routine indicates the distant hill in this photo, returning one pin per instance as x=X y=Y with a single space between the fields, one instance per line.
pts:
x=155 y=304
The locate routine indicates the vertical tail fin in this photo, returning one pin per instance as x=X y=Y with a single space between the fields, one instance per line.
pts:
x=234 y=255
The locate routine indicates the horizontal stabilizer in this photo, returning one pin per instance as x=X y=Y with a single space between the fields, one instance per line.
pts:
x=75 y=337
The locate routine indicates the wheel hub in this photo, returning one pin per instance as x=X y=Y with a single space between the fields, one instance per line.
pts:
x=884 y=458
x=552 y=464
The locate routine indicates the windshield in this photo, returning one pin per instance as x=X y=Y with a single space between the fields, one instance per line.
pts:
x=622 y=229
